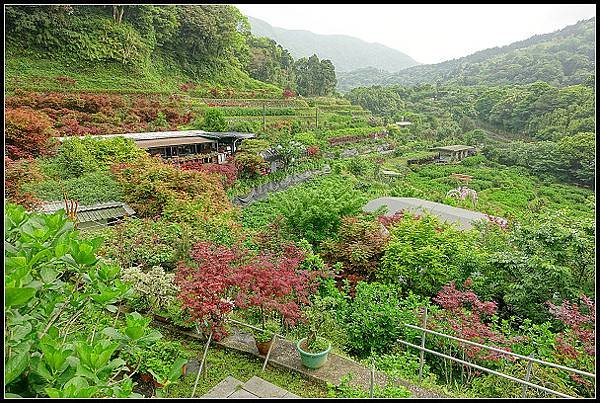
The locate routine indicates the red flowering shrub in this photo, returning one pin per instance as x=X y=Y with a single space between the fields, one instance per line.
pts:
x=273 y=285
x=151 y=185
x=226 y=277
x=501 y=222
x=287 y=93
x=206 y=286
x=16 y=174
x=389 y=221
x=360 y=246
x=580 y=326
x=249 y=165
x=64 y=80
x=226 y=172
x=187 y=87
x=27 y=133
x=463 y=313
x=312 y=151
x=76 y=114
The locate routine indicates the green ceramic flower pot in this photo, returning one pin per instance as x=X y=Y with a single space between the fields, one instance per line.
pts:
x=312 y=360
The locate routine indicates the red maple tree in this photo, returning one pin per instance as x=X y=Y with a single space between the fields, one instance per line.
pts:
x=224 y=278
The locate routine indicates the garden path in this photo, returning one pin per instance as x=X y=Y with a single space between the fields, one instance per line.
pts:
x=284 y=354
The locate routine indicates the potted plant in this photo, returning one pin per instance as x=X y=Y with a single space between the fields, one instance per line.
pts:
x=264 y=339
x=313 y=350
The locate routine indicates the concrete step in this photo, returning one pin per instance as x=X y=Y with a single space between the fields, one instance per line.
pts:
x=255 y=387
x=226 y=388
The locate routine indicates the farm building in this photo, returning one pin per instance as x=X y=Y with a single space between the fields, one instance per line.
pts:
x=187 y=144
x=454 y=152
x=101 y=214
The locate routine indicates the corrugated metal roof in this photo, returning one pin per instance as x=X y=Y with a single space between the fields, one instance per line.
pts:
x=173 y=141
x=462 y=217
x=95 y=212
x=173 y=134
x=458 y=147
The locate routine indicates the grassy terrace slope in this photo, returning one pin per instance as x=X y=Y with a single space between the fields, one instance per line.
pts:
x=149 y=49
x=33 y=71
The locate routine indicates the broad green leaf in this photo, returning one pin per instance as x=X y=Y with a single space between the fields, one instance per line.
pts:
x=48 y=274
x=53 y=392
x=41 y=254
x=18 y=296
x=175 y=371
x=112 y=308
x=134 y=332
x=19 y=332
x=112 y=333
x=152 y=337
x=15 y=366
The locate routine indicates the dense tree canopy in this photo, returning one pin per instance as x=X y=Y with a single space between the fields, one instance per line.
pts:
x=561 y=58
x=271 y=63
x=314 y=77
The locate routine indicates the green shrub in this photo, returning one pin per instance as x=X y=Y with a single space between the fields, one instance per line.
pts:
x=474 y=160
x=77 y=156
x=214 y=120
x=147 y=243
x=312 y=211
x=373 y=319
x=243 y=126
x=424 y=254
x=89 y=188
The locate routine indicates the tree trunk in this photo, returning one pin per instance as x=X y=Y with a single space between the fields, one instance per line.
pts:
x=118 y=13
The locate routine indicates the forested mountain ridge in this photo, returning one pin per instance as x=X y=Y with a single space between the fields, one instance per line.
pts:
x=560 y=58
x=347 y=53
x=206 y=49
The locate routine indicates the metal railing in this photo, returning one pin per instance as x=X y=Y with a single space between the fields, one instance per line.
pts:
x=525 y=382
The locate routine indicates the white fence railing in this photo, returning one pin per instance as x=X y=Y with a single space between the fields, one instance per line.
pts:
x=525 y=382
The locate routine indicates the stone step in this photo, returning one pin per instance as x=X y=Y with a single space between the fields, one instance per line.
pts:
x=253 y=388
x=264 y=389
x=226 y=388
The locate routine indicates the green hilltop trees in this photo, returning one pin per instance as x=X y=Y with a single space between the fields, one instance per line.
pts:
x=314 y=77
x=205 y=41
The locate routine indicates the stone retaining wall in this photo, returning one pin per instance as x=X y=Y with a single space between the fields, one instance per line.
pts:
x=262 y=191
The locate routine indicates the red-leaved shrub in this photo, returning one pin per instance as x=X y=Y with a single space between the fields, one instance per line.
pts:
x=16 y=174
x=464 y=314
x=223 y=278
x=227 y=172
x=28 y=133
x=360 y=246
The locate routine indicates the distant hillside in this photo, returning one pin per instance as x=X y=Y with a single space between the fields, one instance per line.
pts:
x=346 y=53
x=560 y=58
x=128 y=48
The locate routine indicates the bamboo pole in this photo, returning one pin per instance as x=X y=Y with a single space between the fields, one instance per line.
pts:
x=201 y=364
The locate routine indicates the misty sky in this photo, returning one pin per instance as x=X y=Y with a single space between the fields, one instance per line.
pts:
x=426 y=32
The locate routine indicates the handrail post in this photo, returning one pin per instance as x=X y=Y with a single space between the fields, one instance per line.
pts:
x=527 y=375
x=422 y=361
x=201 y=364
x=269 y=352
x=372 y=377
